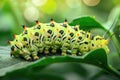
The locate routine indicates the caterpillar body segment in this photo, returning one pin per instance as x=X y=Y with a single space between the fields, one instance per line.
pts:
x=49 y=38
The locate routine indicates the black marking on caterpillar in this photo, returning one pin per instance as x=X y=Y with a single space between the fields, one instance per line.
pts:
x=53 y=38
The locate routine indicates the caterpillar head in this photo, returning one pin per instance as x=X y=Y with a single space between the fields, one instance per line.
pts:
x=99 y=42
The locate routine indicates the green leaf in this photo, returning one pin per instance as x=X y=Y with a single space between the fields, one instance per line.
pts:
x=97 y=57
x=115 y=15
x=87 y=23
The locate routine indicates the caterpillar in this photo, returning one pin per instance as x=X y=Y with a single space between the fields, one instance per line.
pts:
x=53 y=37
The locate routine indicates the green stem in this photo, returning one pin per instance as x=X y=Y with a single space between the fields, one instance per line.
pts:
x=117 y=44
x=113 y=71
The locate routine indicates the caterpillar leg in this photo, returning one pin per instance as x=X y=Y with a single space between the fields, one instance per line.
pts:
x=56 y=46
x=26 y=57
x=34 y=55
x=74 y=49
x=74 y=52
x=25 y=54
x=64 y=51
x=47 y=46
x=65 y=47
x=54 y=49
x=46 y=50
x=41 y=50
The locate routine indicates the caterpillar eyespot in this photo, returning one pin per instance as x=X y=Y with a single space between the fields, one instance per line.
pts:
x=53 y=38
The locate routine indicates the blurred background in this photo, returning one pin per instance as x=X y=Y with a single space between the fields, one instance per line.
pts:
x=14 y=13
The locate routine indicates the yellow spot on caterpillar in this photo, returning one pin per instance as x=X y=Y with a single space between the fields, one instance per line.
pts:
x=57 y=29
x=19 y=45
x=44 y=30
x=58 y=35
x=69 y=31
x=78 y=34
x=69 y=37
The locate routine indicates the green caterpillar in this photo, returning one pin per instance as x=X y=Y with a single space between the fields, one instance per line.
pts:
x=50 y=38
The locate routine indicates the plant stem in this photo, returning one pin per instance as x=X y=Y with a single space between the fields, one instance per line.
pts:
x=113 y=71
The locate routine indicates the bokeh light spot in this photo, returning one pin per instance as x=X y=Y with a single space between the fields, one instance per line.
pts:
x=91 y=2
x=39 y=2
x=73 y=3
x=49 y=7
x=31 y=14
